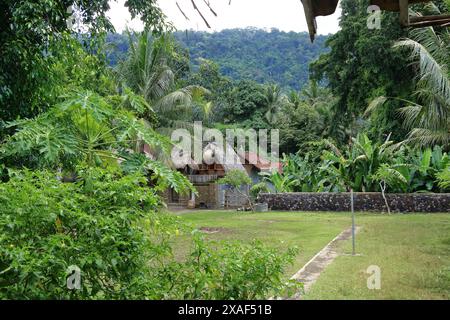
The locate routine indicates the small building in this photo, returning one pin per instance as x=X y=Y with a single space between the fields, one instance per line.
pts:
x=204 y=176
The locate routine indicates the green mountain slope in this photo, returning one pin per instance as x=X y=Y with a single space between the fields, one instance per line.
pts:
x=275 y=56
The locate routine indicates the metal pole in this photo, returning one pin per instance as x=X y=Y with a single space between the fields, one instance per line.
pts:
x=353 y=221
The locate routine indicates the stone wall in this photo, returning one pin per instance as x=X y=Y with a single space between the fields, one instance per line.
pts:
x=363 y=201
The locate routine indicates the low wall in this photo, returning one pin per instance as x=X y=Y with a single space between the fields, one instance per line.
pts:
x=363 y=201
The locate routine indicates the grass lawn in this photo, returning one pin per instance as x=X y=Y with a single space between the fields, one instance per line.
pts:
x=412 y=250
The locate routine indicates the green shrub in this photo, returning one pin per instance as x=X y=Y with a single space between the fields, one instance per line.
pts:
x=258 y=188
x=46 y=226
x=236 y=179
x=230 y=270
x=443 y=179
x=109 y=226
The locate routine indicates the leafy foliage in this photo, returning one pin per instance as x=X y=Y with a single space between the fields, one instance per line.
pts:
x=83 y=128
x=107 y=224
x=428 y=118
x=362 y=65
x=148 y=72
x=237 y=179
x=362 y=166
x=33 y=48
x=92 y=224
x=161 y=177
x=258 y=188
x=232 y=271
x=443 y=178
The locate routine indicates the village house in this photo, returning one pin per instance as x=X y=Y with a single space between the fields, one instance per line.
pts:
x=204 y=176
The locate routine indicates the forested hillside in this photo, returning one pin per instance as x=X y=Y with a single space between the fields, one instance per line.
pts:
x=279 y=57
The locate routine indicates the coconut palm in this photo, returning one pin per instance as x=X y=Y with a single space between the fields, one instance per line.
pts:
x=428 y=116
x=429 y=119
x=147 y=72
x=274 y=100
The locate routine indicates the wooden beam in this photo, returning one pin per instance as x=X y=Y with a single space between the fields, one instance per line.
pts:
x=392 y=5
x=428 y=18
x=310 y=18
x=404 y=14
x=421 y=24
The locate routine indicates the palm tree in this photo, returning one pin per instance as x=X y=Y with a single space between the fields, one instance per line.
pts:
x=275 y=99
x=427 y=117
x=294 y=99
x=147 y=72
x=316 y=96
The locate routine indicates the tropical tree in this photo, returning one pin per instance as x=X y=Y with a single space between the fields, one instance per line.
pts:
x=274 y=101
x=147 y=72
x=298 y=125
x=388 y=176
x=315 y=95
x=361 y=65
x=32 y=36
x=428 y=115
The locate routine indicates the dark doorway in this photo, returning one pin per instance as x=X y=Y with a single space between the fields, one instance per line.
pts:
x=175 y=197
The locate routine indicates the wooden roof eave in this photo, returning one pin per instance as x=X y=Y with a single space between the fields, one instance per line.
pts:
x=315 y=8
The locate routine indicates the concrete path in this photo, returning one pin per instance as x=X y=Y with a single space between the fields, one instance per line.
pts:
x=312 y=269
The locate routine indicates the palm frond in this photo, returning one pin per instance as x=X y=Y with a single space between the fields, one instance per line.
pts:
x=375 y=104
x=427 y=137
x=431 y=71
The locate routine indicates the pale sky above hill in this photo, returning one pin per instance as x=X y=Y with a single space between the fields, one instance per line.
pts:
x=285 y=15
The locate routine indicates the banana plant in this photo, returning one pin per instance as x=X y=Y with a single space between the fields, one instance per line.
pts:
x=425 y=165
x=357 y=164
x=443 y=179
x=281 y=183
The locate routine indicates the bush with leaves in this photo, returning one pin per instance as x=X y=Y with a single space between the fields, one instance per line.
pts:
x=362 y=165
x=258 y=188
x=84 y=127
x=230 y=270
x=109 y=226
x=95 y=224
x=304 y=173
x=423 y=167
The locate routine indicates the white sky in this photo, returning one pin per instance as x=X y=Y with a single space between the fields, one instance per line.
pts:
x=285 y=15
